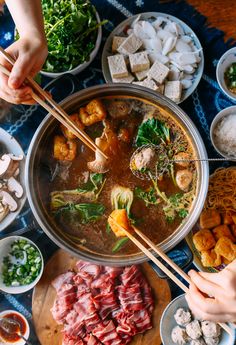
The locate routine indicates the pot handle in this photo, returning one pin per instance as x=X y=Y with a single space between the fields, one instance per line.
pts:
x=180 y=254
x=63 y=86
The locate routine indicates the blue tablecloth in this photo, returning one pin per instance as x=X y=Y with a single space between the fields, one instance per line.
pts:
x=202 y=106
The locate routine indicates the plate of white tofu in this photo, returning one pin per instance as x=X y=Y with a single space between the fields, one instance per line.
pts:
x=157 y=51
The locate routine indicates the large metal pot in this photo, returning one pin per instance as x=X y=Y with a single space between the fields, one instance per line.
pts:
x=70 y=104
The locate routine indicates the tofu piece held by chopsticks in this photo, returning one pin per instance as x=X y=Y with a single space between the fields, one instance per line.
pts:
x=117 y=66
x=119 y=217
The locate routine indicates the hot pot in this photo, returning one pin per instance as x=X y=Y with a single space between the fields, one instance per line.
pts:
x=72 y=103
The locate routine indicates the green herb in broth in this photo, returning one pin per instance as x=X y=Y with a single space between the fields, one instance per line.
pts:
x=119 y=244
x=95 y=184
x=230 y=77
x=178 y=205
x=83 y=213
x=152 y=131
x=148 y=196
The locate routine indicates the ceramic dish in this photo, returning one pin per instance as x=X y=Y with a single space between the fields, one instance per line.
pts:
x=85 y=64
x=26 y=334
x=119 y=31
x=10 y=145
x=219 y=117
x=225 y=61
x=168 y=323
x=5 y=247
x=196 y=254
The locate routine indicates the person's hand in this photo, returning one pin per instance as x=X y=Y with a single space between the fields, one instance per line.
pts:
x=30 y=54
x=221 y=286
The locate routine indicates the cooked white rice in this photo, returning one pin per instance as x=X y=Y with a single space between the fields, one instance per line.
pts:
x=225 y=135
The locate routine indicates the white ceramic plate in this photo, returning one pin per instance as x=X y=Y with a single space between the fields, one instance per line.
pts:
x=225 y=61
x=12 y=146
x=84 y=65
x=26 y=335
x=168 y=322
x=5 y=247
x=119 y=31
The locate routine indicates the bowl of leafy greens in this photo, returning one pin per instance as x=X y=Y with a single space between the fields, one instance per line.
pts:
x=74 y=32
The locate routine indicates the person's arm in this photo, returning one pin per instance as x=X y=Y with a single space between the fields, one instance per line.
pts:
x=30 y=51
x=221 y=286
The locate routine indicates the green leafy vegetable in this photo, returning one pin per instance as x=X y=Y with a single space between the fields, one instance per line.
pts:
x=119 y=244
x=149 y=196
x=82 y=213
x=122 y=197
x=152 y=131
x=230 y=76
x=177 y=204
x=71 y=31
x=95 y=184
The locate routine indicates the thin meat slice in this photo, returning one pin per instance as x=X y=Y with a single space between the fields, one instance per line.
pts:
x=92 y=340
x=75 y=330
x=91 y=322
x=142 y=320
x=66 y=289
x=125 y=324
x=130 y=297
x=103 y=282
x=131 y=275
x=147 y=296
x=84 y=306
x=89 y=268
x=113 y=271
x=83 y=277
x=62 y=279
x=59 y=312
x=106 y=333
x=68 y=340
x=105 y=304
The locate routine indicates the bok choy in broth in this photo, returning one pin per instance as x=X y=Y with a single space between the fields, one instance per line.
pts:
x=82 y=199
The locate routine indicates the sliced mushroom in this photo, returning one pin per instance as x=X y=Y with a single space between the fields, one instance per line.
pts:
x=3 y=211
x=5 y=163
x=7 y=200
x=15 y=187
x=100 y=164
x=183 y=179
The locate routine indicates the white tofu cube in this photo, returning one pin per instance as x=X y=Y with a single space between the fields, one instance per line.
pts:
x=161 y=89
x=173 y=90
x=147 y=83
x=158 y=72
x=130 y=45
x=116 y=42
x=128 y=79
x=139 y=61
x=142 y=74
x=117 y=66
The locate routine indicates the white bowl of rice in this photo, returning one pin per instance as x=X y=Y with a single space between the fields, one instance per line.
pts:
x=223 y=133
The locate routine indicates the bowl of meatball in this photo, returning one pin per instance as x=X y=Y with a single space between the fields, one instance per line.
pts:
x=179 y=326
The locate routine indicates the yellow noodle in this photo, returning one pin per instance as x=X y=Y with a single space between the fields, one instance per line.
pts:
x=222 y=190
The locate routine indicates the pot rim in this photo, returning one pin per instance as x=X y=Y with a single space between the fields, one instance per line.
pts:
x=140 y=92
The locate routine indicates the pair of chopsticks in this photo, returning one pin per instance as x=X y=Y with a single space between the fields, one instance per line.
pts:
x=52 y=107
x=160 y=264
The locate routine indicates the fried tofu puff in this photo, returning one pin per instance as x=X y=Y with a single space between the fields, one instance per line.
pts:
x=67 y=133
x=118 y=219
x=210 y=258
x=92 y=113
x=204 y=240
x=209 y=219
x=223 y=231
x=226 y=248
x=227 y=218
x=64 y=150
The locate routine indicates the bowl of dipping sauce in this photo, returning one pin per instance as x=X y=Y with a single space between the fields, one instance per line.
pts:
x=223 y=133
x=7 y=338
x=226 y=73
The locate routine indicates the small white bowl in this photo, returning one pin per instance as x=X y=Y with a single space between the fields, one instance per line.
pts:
x=25 y=335
x=85 y=64
x=218 y=117
x=5 y=247
x=12 y=146
x=168 y=322
x=225 y=61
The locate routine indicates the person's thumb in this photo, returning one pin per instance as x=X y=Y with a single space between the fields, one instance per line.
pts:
x=20 y=71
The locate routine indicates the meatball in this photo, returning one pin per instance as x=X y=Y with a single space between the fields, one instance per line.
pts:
x=193 y=330
x=212 y=341
x=179 y=336
x=199 y=341
x=182 y=317
x=184 y=179
x=144 y=158
x=210 y=329
x=182 y=156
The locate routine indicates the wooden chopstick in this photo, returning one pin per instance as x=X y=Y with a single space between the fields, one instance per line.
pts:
x=160 y=264
x=55 y=108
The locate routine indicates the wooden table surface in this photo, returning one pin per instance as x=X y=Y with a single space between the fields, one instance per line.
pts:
x=220 y=13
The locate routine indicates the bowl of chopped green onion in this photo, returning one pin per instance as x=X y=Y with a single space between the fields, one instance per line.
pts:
x=21 y=264
x=74 y=32
x=226 y=73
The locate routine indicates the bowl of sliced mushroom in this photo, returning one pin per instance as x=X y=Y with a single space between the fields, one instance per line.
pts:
x=12 y=191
